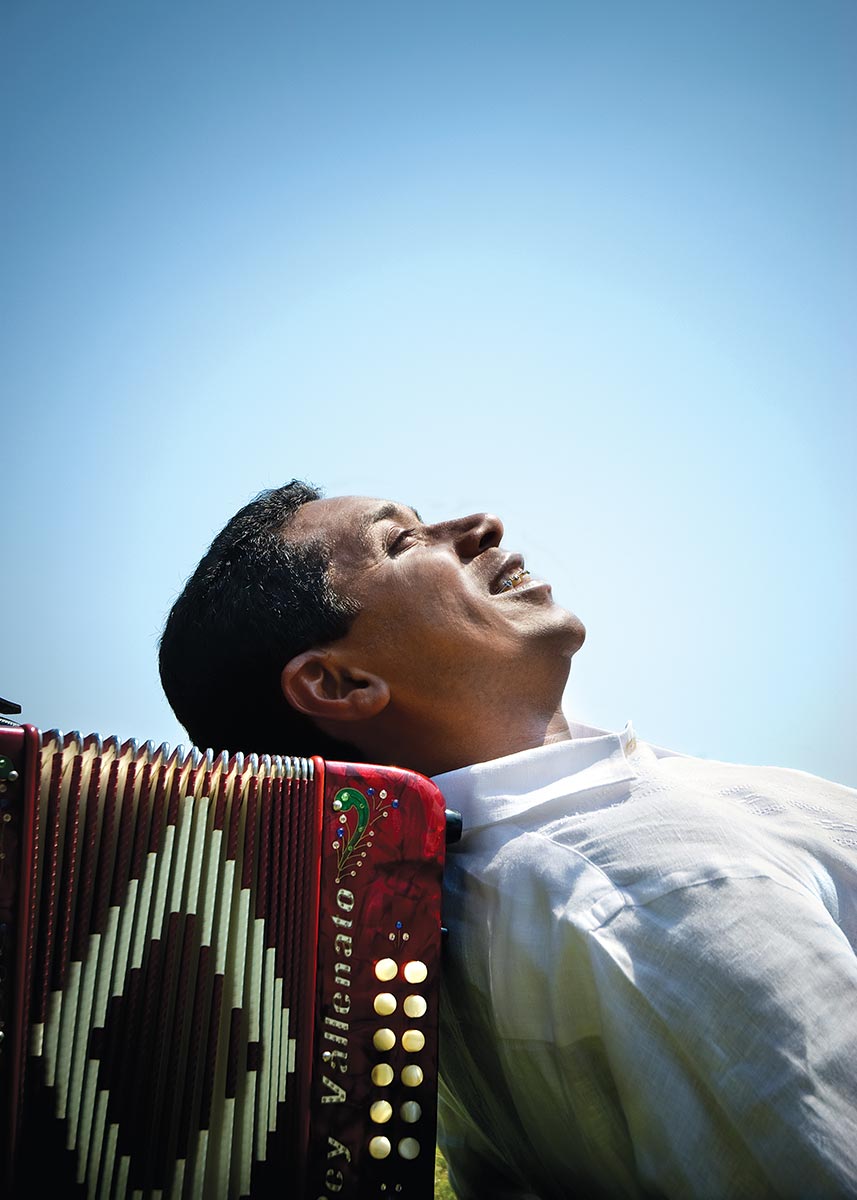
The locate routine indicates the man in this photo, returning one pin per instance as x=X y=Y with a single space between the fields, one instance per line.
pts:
x=651 y=977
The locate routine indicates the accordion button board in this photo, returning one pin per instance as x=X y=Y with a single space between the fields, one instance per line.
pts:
x=219 y=975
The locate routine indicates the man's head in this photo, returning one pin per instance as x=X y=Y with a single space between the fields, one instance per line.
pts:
x=256 y=599
x=431 y=645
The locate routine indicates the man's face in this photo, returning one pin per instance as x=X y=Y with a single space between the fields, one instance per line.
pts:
x=444 y=609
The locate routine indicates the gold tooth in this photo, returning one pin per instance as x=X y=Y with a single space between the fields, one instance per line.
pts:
x=511 y=580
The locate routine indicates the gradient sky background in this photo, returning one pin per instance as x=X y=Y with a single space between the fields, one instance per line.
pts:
x=590 y=266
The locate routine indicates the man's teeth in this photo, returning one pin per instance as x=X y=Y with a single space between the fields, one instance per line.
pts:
x=514 y=580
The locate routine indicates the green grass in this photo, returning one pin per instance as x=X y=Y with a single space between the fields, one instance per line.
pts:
x=442 y=1190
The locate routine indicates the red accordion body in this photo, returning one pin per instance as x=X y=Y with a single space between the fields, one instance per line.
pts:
x=219 y=974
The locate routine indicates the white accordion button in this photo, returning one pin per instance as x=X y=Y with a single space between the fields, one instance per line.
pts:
x=379 y=1147
x=413 y=1040
x=382 y=1075
x=410 y=1112
x=415 y=1006
x=385 y=1003
x=409 y=1147
x=412 y=1076
x=415 y=972
x=384 y=1039
x=386 y=969
x=381 y=1111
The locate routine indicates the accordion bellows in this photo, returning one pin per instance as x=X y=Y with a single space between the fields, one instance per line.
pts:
x=219 y=974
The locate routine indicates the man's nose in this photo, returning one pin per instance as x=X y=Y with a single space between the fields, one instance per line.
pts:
x=471 y=535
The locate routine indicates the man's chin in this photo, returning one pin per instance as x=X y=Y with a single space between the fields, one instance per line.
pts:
x=573 y=630
x=580 y=634
x=560 y=631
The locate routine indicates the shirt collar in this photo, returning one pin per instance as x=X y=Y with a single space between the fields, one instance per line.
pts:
x=487 y=792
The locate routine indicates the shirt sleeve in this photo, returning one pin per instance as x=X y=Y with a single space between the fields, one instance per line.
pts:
x=729 y=1017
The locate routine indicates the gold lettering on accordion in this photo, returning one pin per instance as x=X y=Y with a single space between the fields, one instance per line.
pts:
x=335 y=1148
x=333 y=1180
x=343 y=941
x=337 y=1094
x=339 y=1056
x=341 y=1001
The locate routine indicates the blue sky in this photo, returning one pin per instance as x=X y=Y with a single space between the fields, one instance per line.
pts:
x=591 y=267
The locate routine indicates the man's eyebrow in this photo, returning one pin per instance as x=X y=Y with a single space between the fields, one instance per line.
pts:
x=391 y=510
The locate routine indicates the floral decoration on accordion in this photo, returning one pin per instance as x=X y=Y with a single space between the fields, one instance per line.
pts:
x=358 y=815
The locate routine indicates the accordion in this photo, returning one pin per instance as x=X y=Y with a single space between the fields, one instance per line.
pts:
x=219 y=975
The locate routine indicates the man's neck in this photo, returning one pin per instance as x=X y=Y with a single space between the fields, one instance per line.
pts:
x=441 y=748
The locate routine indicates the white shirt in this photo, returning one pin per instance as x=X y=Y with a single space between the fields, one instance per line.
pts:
x=650 y=981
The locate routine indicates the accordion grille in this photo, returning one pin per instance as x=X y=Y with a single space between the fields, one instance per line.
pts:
x=168 y=945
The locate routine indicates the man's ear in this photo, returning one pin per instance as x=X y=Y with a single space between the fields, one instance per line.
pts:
x=318 y=684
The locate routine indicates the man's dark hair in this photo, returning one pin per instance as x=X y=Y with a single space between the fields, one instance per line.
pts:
x=253 y=603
